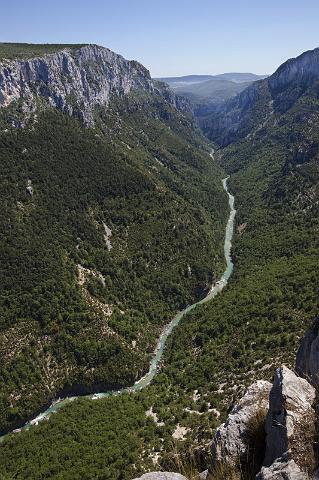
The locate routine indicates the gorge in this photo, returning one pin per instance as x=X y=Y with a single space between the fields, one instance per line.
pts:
x=101 y=144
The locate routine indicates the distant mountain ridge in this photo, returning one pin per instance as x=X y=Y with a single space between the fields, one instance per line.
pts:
x=206 y=90
x=236 y=77
x=186 y=79
x=241 y=77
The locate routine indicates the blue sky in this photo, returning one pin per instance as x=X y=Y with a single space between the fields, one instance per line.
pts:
x=173 y=37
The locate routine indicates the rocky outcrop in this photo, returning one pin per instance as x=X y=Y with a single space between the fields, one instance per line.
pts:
x=282 y=469
x=289 y=430
x=75 y=80
x=290 y=423
x=302 y=70
x=231 y=439
x=307 y=360
x=161 y=476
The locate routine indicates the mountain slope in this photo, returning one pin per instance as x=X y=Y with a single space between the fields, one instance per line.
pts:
x=263 y=102
x=107 y=230
x=21 y=51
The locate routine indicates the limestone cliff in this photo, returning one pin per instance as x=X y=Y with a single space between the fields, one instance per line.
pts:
x=75 y=80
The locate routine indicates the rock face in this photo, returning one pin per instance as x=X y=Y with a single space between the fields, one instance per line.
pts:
x=75 y=81
x=161 y=476
x=302 y=70
x=282 y=469
x=291 y=420
x=230 y=440
x=307 y=360
x=258 y=104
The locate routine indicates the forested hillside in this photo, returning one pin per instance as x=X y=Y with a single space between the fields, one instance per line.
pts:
x=106 y=233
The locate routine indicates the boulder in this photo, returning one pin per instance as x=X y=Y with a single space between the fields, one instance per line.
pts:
x=290 y=423
x=231 y=438
x=161 y=476
x=282 y=469
x=307 y=360
x=30 y=190
x=29 y=187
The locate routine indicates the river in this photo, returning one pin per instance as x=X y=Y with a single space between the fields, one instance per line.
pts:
x=146 y=380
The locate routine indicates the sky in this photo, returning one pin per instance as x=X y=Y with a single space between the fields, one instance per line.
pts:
x=173 y=37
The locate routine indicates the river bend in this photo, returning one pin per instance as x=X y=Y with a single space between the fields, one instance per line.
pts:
x=146 y=379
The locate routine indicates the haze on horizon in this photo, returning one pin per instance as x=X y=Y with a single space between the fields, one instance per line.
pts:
x=175 y=37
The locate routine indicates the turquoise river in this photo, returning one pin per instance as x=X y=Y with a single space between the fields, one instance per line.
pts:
x=146 y=379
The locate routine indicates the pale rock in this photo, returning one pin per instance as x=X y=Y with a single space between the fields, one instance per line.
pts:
x=282 y=469
x=180 y=432
x=231 y=120
x=203 y=475
x=290 y=419
x=76 y=81
x=230 y=439
x=161 y=476
x=107 y=236
x=29 y=188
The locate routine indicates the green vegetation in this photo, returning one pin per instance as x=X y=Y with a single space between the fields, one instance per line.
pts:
x=30 y=50
x=109 y=446
x=148 y=177
x=244 y=334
